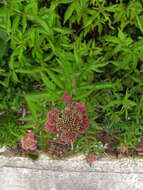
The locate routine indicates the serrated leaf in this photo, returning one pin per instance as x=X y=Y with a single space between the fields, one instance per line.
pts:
x=68 y=74
x=65 y=1
x=24 y=23
x=140 y=22
x=69 y=12
x=84 y=94
x=47 y=82
x=31 y=106
x=63 y=30
x=15 y=23
x=103 y=86
x=55 y=79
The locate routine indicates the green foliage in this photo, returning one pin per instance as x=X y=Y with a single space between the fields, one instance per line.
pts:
x=92 y=49
x=10 y=131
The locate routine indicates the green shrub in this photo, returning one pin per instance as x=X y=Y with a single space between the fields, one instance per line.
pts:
x=92 y=49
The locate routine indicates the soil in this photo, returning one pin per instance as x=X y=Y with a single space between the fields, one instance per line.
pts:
x=112 y=143
x=57 y=150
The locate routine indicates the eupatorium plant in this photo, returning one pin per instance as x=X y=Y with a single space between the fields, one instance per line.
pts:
x=66 y=125
x=72 y=121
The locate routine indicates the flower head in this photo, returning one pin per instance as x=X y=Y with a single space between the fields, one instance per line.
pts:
x=123 y=149
x=28 y=142
x=51 y=127
x=85 y=123
x=53 y=115
x=67 y=126
x=50 y=124
x=90 y=158
x=67 y=98
x=69 y=137
x=79 y=107
x=72 y=121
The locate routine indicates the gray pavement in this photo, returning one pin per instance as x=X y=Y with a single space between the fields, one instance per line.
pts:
x=18 y=173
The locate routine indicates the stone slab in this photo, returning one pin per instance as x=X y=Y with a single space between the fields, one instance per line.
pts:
x=19 y=173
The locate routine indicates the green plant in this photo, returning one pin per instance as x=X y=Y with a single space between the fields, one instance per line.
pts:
x=10 y=131
x=91 y=49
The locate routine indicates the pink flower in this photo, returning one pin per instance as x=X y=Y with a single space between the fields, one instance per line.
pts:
x=28 y=142
x=53 y=115
x=79 y=107
x=84 y=124
x=66 y=112
x=66 y=98
x=91 y=158
x=72 y=122
x=69 y=137
x=51 y=127
x=50 y=124
x=123 y=148
x=73 y=136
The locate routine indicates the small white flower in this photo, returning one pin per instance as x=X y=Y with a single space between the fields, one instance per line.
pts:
x=2 y=149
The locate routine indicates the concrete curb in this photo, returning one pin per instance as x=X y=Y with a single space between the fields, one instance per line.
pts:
x=18 y=173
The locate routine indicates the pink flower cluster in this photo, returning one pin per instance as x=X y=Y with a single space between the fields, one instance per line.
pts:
x=28 y=142
x=72 y=122
x=66 y=126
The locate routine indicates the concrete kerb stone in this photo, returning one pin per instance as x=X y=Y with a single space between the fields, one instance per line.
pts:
x=21 y=173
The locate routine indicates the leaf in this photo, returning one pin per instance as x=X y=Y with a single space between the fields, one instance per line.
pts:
x=77 y=55
x=42 y=23
x=8 y=22
x=24 y=23
x=83 y=94
x=31 y=106
x=15 y=23
x=47 y=82
x=69 y=12
x=113 y=103
x=65 y=1
x=100 y=86
x=14 y=77
x=32 y=8
x=55 y=79
x=86 y=87
x=140 y=22
x=67 y=73
x=90 y=20
x=28 y=126
x=63 y=30
x=3 y=46
x=3 y=84
x=29 y=71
